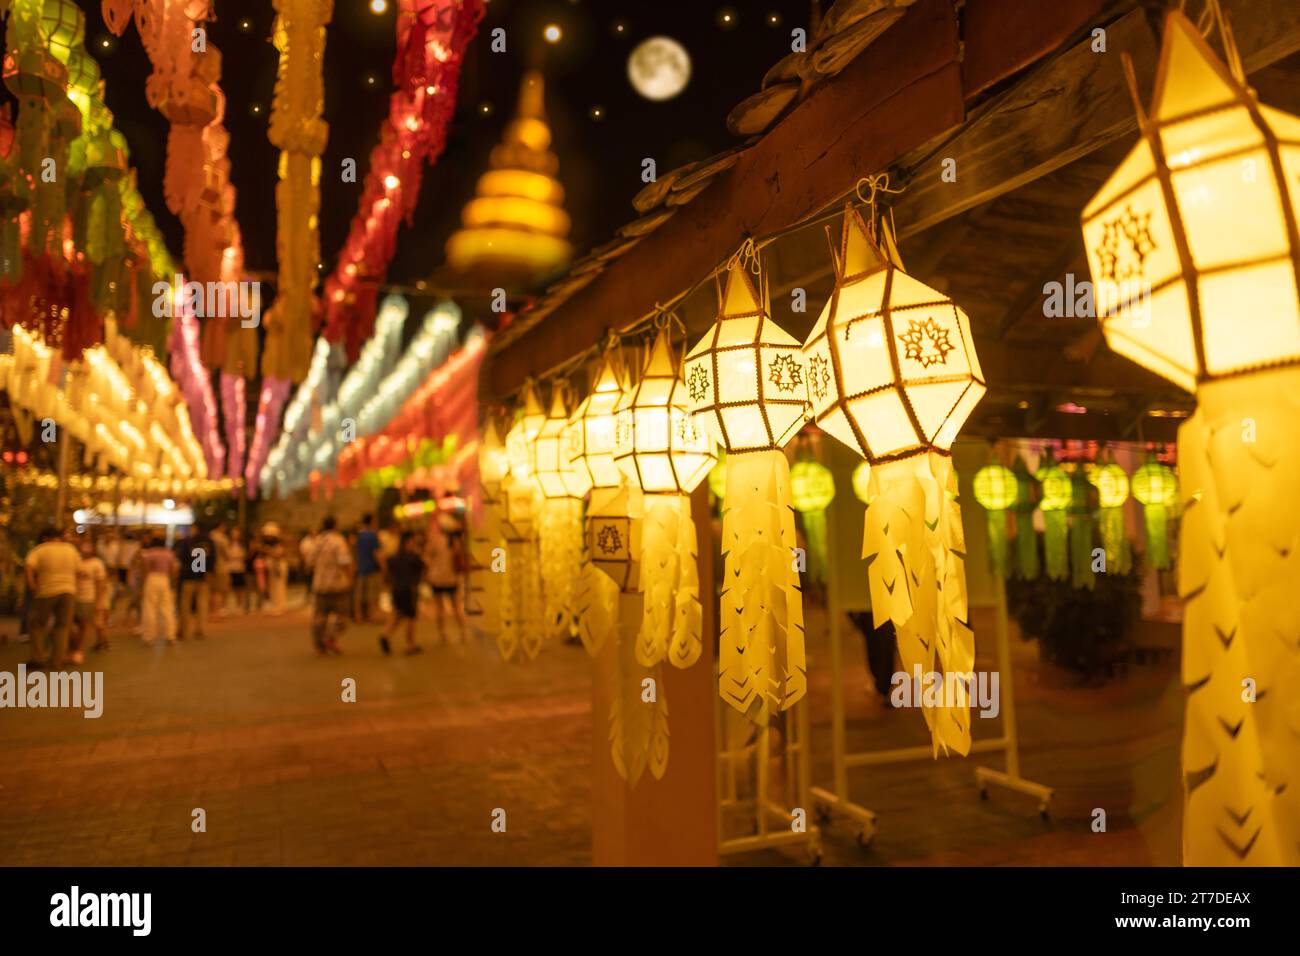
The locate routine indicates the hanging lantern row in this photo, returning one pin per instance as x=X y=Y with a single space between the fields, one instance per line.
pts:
x=1007 y=496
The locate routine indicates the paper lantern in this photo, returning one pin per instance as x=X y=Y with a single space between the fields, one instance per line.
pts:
x=1156 y=488
x=1112 y=486
x=812 y=489
x=1058 y=492
x=556 y=474
x=520 y=438
x=1197 y=226
x=493 y=461
x=996 y=489
x=589 y=434
x=892 y=373
x=1026 y=536
x=1082 y=498
x=747 y=385
x=1203 y=214
x=862 y=481
x=657 y=444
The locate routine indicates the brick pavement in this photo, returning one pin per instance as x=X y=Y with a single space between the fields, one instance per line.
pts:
x=249 y=725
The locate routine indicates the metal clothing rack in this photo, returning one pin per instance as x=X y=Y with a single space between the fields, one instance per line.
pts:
x=838 y=799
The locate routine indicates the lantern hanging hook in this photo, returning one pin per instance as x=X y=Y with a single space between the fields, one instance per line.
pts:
x=746 y=256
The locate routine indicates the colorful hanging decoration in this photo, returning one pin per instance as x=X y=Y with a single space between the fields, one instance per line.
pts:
x=1195 y=296
x=1112 y=486
x=1026 y=537
x=663 y=457
x=487 y=538
x=892 y=373
x=562 y=484
x=812 y=489
x=1058 y=493
x=746 y=384
x=298 y=131
x=432 y=36
x=589 y=445
x=1081 y=527
x=523 y=625
x=1155 y=486
x=997 y=490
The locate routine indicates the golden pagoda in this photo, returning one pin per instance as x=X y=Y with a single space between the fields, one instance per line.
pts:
x=514 y=229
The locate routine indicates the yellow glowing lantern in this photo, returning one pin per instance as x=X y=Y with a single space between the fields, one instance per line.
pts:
x=747 y=385
x=892 y=373
x=1156 y=488
x=862 y=481
x=493 y=460
x=1111 y=482
x=892 y=370
x=996 y=489
x=812 y=489
x=556 y=474
x=657 y=445
x=1201 y=218
x=1058 y=493
x=1197 y=226
x=589 y=435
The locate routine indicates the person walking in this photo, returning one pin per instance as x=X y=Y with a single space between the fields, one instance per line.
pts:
x=51 y=569
x=219 y=581
x=368 y=578
x=405 y=572
x=331 y=588
x=444 y=580
x=196 y=556
x=156 y=566
x=92 y=601
x=238 y=565
x=276 y=568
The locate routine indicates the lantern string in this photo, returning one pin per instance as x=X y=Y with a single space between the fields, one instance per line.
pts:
x=746 y=256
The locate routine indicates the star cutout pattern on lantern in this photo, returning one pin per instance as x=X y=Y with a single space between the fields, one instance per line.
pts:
x=893 y=369
x=608 y=540
x=747 y=382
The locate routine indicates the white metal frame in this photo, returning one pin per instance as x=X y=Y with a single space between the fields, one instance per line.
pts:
x=773 y=823
x=837 y=800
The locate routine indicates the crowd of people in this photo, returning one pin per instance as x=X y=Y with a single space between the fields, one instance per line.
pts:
x=79 y=586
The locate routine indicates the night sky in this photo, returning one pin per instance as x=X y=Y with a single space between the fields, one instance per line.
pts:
x=600 y=160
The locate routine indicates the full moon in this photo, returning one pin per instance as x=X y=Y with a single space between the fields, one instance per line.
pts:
x=659 y=68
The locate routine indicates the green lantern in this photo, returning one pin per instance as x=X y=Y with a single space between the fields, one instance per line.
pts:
x=1156 y=489
x=1112 y=486
x=1081 y=524
x=1026 y=537
x=1058 y=492
x=996 y=490
x=862 y=481
x=812 y=489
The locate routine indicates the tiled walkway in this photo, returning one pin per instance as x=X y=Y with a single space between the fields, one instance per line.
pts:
x=250 y=726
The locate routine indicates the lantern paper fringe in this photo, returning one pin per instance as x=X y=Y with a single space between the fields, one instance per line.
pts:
x=670 y=584
x=761 y=633
x=1238 y=566
x=597 y=600
x=915 y=549
x=561 y=558
x=638 y=729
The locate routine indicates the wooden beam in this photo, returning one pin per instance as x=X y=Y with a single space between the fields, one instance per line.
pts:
x=1010 y=366
x=1066 y=108
x=1002 y=37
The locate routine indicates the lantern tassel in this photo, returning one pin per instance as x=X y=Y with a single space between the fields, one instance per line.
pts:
x=998 y=543
x=1238 y=563
x=597 y=602
x=1026 y=546
x=638 y=727
x=1156 y=518
x=1119 y=558
x=486 y=588
x=672 y=618
x=915 y=549
x=561 y=554
x=1081 y=573
x=1056 y=548
x=761 y=633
